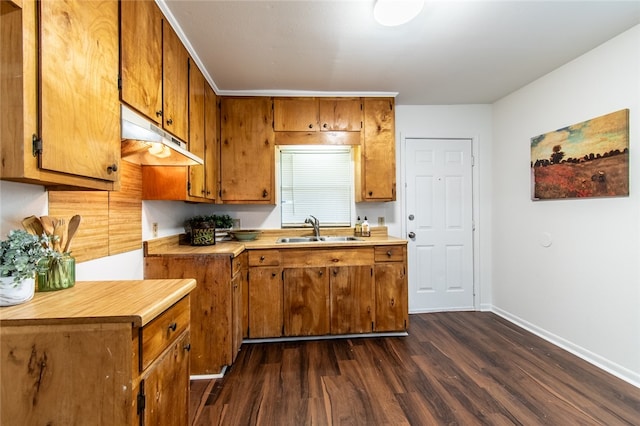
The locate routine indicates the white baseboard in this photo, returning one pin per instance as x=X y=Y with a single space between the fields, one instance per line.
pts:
x=220 y=375
x=592 y=358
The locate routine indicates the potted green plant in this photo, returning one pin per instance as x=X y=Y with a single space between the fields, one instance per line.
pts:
x=20 y=255
x=202 y=228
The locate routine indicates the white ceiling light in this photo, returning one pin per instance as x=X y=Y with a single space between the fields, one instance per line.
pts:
x=391 y=13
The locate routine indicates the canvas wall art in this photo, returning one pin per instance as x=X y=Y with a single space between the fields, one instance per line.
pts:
x=588 y=159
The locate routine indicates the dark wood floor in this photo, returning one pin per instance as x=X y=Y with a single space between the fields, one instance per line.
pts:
x=462 y=368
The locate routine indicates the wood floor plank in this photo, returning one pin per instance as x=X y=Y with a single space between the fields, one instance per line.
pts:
x=458 y=368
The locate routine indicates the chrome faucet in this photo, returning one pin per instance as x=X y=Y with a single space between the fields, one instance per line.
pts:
x=315 y=223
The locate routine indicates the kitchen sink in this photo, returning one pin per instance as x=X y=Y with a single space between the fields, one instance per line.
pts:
x=297 y=240
x=316 y=239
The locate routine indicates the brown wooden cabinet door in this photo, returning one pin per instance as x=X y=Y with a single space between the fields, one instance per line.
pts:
x=340 y=115
x=197 y=130
x=391 y=297
x=306 y=301
x=211 y=142
x=141 y=57
x=211 y=305
x=265 y=302
x=175 y=80
x=352 y=299
x=79 y=107
x=236 y=312
x=295 y=115
x=247 y=151
x=379 y=150
x=166 y=387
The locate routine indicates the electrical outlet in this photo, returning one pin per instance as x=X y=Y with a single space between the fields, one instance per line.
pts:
x=380 y=220
x=154 y=228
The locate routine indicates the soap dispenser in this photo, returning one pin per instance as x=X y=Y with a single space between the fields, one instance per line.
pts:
x=366 y=230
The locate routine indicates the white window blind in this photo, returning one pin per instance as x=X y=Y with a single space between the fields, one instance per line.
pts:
x=316 y=181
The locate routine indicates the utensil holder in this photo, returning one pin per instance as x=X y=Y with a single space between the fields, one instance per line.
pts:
x=57 y=273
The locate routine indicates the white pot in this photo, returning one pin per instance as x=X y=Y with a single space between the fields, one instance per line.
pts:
x=12 y=293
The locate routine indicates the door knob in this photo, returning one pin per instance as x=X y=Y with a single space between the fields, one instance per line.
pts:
x=412 y=234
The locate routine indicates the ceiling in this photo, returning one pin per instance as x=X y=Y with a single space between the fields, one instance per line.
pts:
x=454 y=52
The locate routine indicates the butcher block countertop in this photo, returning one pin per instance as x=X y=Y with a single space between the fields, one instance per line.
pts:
x=134 y=301
x=175 y=244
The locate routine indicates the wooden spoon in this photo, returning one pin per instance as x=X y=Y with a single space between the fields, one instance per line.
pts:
x=48 y=224
x=33 y=225
x=74 y=223
x=59 y=232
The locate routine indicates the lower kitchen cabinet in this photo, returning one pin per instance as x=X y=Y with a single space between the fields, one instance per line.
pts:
x=392 y=305
x=265 y=301
x=327 y=291
x=212 y=309
x=352 y=299
x=306 y=301
x=100 y=353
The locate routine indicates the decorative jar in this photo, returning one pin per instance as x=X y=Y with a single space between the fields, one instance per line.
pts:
x=56 y=273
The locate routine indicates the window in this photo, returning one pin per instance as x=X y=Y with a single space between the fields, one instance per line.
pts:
x=318 y=181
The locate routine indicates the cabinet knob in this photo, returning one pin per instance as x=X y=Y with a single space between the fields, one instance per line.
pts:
x=173 y=326
x=393 y=301
x=321 y=273
x=112 y=168
x=159 y=113
x=389 y=253
x=311 y=126
x=187 y=347
x=265 y=193
x=170 y=121
x=273 y=275
x=261 y=258
x=325 y=125
x=370 y=193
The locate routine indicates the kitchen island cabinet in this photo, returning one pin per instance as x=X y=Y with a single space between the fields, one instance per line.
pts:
x=108 y=352
x=60 y=128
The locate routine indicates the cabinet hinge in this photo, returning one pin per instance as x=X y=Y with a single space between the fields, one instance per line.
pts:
x=119 y=83
x=142 y=399
x=188 y=186
x=372 y=326
x=36 y=145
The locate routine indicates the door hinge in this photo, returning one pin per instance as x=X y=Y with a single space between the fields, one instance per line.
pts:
x=142 y=400
x=36 y=145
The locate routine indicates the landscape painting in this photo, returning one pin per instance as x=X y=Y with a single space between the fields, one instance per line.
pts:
x=588 y=159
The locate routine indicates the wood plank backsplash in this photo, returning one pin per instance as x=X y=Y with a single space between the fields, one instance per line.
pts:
x=111 y=221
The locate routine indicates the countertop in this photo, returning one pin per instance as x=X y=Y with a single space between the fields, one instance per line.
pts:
x=267 y=240
x=133 y=301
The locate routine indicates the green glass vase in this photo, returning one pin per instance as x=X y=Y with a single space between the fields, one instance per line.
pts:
x=56 y=273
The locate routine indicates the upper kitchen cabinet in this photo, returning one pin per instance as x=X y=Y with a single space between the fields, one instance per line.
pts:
x=317 y=120
x=377 y=179
x=191 y=183
x=154 y=68
x=175 y=78
x=141 y=57
x=60 y=117
x=247 y=151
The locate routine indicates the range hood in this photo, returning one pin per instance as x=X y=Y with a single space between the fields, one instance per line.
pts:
x=145 y=143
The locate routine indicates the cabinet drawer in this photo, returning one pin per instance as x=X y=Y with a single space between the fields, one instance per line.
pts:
x=162 y=331
x=264 y=258
x=390 y=253
x=237 y=263
x=327 y=257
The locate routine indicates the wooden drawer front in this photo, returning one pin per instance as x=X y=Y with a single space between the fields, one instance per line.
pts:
x=264 y=258
x=327 y=257
x=162 y=331
x=237 y=263
x=390 y=253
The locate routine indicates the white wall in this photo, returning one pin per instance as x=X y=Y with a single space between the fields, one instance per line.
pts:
x=582 y=292
x=456 y=121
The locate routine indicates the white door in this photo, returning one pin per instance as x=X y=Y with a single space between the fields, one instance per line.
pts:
x=439 y=224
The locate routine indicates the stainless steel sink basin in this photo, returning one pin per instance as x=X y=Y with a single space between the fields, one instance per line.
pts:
x=297 y=240
x=316 y=239
x=338 y=239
